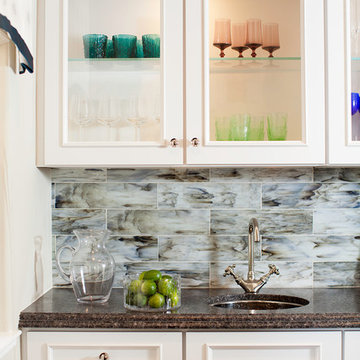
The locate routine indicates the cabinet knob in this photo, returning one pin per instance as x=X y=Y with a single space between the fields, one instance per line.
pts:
x=104 y=356
x=174 y=142
x=195 y=142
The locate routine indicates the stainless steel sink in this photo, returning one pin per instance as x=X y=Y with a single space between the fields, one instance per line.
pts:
x=249 y=301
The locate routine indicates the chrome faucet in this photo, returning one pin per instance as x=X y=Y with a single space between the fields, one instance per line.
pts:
x=251 y=285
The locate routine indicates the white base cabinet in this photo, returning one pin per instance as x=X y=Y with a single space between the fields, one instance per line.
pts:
x=255 y=345
x=117 y=346
x=351 y=345
x=264 y=345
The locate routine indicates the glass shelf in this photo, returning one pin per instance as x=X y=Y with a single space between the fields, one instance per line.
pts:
x=254 y=65
x=115 y=64
x=257 y=58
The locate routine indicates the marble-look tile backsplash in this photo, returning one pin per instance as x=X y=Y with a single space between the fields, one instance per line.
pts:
x=195 y=221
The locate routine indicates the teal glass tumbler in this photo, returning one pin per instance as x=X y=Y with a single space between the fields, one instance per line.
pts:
x=110 y=49
x=277 y=126
x=124 y=45
x=151 y=45
x=139 y=49
x=94 y=45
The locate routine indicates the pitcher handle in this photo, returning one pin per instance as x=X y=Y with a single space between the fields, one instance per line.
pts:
x=63 y=274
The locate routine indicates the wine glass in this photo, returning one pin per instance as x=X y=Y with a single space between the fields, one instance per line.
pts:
x=137 y=114
x=253 y=35
x=80 y=113
x=238 y=31
x=222 y=35
x=271 y=40
x=156 y=108
x=354 y=27
x=109 y=113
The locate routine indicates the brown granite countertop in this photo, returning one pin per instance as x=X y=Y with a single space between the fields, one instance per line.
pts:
x=328 y=308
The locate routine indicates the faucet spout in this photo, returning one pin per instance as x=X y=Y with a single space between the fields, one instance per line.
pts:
x=251 y=285
x=253 y=237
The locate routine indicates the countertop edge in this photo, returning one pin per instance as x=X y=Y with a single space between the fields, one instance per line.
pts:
x=181 y=321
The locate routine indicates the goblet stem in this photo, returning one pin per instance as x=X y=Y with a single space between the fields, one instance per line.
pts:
x=240 y=49
x=271 y=49
x=81 y=133
x=108 y=132
x=253 y=47
x=222 y=47
x=137 y=132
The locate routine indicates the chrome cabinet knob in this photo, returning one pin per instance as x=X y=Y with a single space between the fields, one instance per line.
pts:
x=104 y=356
x=174 y=142
x=195 y=142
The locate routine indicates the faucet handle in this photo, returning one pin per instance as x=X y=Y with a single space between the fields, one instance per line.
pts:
x=274 y=270
x=229 y=270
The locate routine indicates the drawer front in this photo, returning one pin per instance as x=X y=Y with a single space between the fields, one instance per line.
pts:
x=264 y=346
x=103 y=346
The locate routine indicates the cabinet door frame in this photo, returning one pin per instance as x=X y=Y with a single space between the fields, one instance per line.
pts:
x=324 y=345
x=43 y=345
x=351 y=345
x=341 y=149
x=311 y=151
x=52 y=147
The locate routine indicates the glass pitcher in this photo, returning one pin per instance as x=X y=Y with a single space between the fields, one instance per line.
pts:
x=92 y=268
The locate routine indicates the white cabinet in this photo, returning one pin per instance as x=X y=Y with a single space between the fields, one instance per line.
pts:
x=305 y=345
x=110 y=106
x=351 y=345
x=100 y=100
x=255 y=345
x=253 y=92
x=90 y=345
x=343 y=79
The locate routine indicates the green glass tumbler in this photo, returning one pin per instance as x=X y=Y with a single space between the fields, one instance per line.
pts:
x=94 y=45
x=239 y=127
x=256 y=130
x=277 y=126
x=151 y=45
x=124 y=45
x=139 y=49
x=222 y=127
x=110 y=49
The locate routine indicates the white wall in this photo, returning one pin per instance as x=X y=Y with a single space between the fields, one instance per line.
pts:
x=21 y=14
x=12 y=352
x=25 y=191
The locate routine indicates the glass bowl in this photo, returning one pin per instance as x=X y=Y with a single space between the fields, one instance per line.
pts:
x=152 y=291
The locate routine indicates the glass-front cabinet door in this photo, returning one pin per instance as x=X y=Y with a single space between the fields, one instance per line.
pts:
x=255 y=82
x=112 y=82
x=343 y=64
